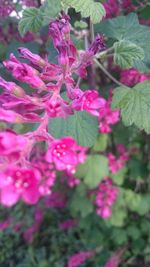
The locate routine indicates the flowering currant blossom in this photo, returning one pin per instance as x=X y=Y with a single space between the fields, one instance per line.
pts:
x=131 y=77
x=37 y=106
x=79 y=258
x=106 y=195
x=66 y=154
x=18 y=183
x=115 y=164
x=108 y=117
x=89 y=101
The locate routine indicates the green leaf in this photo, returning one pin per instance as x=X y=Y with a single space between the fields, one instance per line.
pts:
x=80 y=204
x=134 y=104
x=132 y=200
x=127 y=28
x=81 y=126
x=144 y=205
x=126 y=52
x=80 y=24
x=119 y=177
x=93 y=170
x=50 y=9
x=31 y=21
x=87 y=8
x=101 y=143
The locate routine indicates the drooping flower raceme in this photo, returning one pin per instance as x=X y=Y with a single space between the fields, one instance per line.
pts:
x=79 y=258
x=106 y=195
x=46 y=80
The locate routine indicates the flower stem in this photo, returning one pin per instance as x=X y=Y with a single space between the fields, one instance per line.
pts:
x=107 y=73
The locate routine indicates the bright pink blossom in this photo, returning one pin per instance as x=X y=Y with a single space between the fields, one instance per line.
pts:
x=80 y=258
x=89 y=101
x=18 y=183
x=117 y=163
x=131 y=77
x=115 y=259
x=24 y=73
x=11 y=144
x=66 y=154
x=106 y=195
x=107 y=117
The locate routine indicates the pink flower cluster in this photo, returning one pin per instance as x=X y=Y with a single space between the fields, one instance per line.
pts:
x=117 y=163
x=79 y=258
x=108 y=117
x=6 y=7
x=25 y=174
x=115 y=7
x=115 y=259
x=106 y=195
x=131 y=77
x=30 y=3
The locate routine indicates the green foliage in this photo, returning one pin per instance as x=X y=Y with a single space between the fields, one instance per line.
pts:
x=31 y=21
x=127 y=28
x=80 y=205
x=134 y=104
x=80 y=24
x=87 y=8
x=81 y=126
x=101 y=143
x=93 y=170
x=126 y=52
x=50 y=9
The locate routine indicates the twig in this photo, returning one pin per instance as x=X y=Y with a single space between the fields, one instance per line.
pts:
x=107 y=73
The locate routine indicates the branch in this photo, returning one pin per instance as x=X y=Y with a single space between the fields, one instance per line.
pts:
x=107 y=73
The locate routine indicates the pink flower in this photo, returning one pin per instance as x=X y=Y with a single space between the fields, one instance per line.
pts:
x=115 y=164
x=98 y=45
x=12 y=88
x=115 y=259
x=34 y=59
x=107 y=117
x=131 y=77
x=79 y=258
x=106 y=195
x=11 y=144
x=112 y=8
x=58 y=107
x=18 y=183
x=6 y=7
x=66 y=154
x=89 y=101
x=72 y=181
x=24 y=73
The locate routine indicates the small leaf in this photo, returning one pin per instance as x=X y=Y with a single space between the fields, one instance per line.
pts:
x=101 y=143
x=93 y=170
x=88 y=8
x=80 y=204
x=81 y=126
x=31 y=21
x=50 y=9
x=126 y=52
x=134 y=104
x=80 y=24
